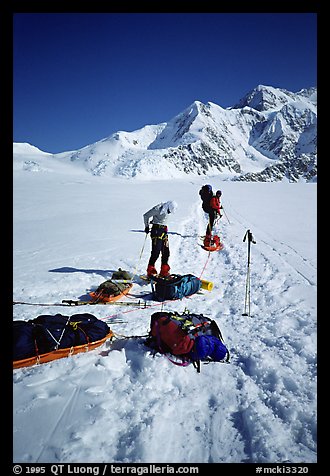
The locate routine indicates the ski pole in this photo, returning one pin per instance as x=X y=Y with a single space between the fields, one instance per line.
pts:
x=224 y=211
x=141 y=253
x=144 y=243
x=248 y=235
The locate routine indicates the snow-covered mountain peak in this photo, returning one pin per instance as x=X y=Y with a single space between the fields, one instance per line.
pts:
x=141 y=138
x=183 y=129
x=270 y=134
x=265 y=98
x=27 y=149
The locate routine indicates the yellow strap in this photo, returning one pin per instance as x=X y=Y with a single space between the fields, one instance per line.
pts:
x=161 y=237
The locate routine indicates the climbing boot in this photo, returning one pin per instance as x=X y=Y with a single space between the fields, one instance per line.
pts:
x=164 y=270
x=151 y=271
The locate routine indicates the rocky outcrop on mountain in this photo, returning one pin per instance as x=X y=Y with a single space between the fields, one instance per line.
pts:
x=289 y=133
x=302 y=168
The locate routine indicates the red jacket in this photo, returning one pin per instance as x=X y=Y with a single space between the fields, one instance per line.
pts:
x=215 y=203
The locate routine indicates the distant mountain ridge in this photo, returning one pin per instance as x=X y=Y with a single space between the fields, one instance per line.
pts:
x=269 y=135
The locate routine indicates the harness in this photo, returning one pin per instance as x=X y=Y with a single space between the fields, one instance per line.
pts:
x=158 y=232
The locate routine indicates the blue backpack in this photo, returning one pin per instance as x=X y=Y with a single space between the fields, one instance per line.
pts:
x=174 y=286
x=208 y=347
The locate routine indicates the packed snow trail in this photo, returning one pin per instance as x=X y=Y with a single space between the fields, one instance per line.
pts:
x=280 y=334
x=120 y=403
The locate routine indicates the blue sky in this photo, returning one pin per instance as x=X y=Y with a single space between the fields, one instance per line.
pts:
x=80 y=77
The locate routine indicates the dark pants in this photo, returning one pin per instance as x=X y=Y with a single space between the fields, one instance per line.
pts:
x=159 y=244
x=212 y=215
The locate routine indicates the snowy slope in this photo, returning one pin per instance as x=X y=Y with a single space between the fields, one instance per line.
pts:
x=118 y=403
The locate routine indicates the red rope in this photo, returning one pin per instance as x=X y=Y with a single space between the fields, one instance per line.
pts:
x=158 y=303
x=133 y=310
x=205 y=264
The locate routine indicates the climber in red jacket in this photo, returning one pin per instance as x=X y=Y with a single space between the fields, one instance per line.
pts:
x=214 y=211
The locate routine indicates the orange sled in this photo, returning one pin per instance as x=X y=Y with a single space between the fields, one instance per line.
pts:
x=60 y=353
x=212 y=244
x=103 y=297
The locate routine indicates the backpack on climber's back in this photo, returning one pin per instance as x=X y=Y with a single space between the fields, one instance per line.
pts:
x=206 y=194
x=175 y=286
x=191 y=338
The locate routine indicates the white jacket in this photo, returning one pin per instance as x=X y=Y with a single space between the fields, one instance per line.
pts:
x=159 y=213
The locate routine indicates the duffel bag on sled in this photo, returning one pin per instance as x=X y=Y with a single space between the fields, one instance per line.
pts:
x=175 y=286
x=51 y=337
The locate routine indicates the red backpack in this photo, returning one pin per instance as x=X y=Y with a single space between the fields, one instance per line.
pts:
x=176 y=334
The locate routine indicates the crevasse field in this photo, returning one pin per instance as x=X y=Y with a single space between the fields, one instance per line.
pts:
x=119 y=403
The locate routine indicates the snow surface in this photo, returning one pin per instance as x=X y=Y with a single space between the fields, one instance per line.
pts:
x=119 y=403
